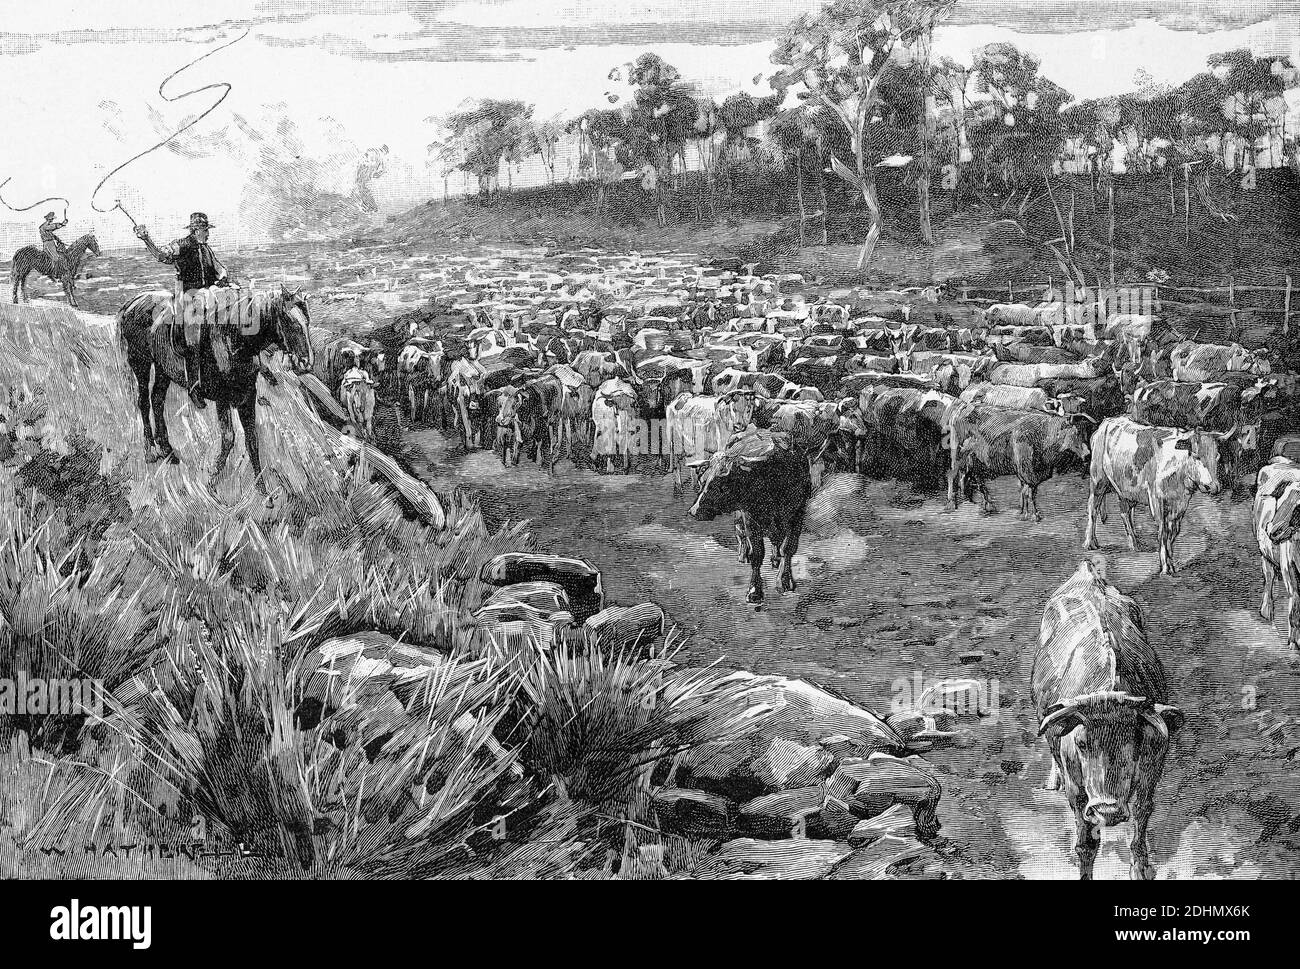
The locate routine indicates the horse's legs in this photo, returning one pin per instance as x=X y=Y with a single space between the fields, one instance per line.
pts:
x=142 y=401
x=248 y=418
x=159 y=399
x=67 y=290
x=227 y=442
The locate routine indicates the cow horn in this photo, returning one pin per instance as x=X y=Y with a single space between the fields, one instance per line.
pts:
x=1170 y=715
x=1057 y=714
x=1228 y=434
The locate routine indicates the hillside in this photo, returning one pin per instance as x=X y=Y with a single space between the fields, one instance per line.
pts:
x=207 y=619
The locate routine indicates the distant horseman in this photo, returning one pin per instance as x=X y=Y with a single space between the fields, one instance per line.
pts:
x=52 y=244
x=197 y=267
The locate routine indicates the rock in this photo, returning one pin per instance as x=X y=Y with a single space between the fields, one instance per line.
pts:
x=806 y=714
x=786 y=764
x=778 y=815
x=884 y=781
x=546 y=597
x=806 y=721
x=897 y=821
x=790 y=860
x=685 y=811
x=625 y=628
x=580 y=580
x=359 y=686
x=872 y=862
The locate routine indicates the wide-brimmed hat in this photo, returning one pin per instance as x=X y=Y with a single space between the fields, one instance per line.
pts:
x=199 y=220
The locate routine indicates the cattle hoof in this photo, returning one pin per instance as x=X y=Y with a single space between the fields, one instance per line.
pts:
x=949 y=508
x=754 y=595
x=1266 y=616
x=172 y=458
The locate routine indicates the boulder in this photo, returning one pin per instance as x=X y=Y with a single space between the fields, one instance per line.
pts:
x=873 y=862
x=686 y=811
x=790 y=860
x=546 y=597
x=357 y=687
x=780 y=814
x=625 y=628
x=788 y=752
x=580 y=580
x=883 y=781
x=896 y=821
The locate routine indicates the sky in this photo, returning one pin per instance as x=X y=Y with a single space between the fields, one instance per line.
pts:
x=315 y=85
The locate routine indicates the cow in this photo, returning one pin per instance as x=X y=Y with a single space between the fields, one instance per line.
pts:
x=1216 y=406
x=1031 y=374
x=571 y=419
x=1101 y=396
x=761 y=476
x=523 y=421
x=357 y=395
x=1018 y=314
x=907 y=429
x=987 y=442
x=597 y=366
x=766 y=384
x=1016 y=352
x=341 y=356
x=1132 y=331
x=613 y=418
x=1161 y=466
x=1275 y=522
x=1022 y=398
x=698 y=426
x=812 y=426
x=1210 y=361
x=465 y=392
x=1102 y=700
x=419 y=374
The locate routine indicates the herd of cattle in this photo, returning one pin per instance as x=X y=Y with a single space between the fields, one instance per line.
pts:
x=667 y=371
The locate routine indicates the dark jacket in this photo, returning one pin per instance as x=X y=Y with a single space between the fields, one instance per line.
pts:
x=196 y=264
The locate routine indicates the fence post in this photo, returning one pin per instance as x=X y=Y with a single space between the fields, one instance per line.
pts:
x=1286 y=307
x=1232 y=306
x=1011 y=295
x=965 y=289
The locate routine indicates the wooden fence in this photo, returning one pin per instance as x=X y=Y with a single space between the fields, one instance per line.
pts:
x=1121 y=299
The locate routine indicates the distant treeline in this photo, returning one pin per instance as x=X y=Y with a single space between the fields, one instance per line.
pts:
x=865 y=132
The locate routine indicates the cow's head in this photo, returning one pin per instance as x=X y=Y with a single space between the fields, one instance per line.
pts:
x=736 y=409
x=1201 y=466
x=1106 y=734
x=850 y=417
x=727 y=484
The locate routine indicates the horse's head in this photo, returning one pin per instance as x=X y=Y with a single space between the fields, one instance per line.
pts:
x=292 y=327
x=92 y=244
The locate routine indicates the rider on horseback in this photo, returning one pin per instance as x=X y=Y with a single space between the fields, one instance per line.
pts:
x=52 y=244
x=197 y=267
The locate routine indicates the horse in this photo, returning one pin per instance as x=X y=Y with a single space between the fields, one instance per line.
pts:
x=29 y=259
x=144 y=329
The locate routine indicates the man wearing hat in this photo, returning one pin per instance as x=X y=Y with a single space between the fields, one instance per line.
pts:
x=197 y=267
x=52 y=244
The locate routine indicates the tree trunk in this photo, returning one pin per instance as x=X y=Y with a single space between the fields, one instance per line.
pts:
x=870 y=197
x=798 y=192
x=923 y=197
x=826 y=209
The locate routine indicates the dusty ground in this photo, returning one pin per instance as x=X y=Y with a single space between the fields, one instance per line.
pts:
x=890 y=588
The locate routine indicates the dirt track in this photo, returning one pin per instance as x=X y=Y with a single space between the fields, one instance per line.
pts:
x=890 y=588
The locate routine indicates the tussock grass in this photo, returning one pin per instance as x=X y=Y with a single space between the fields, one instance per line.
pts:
x=203 y=614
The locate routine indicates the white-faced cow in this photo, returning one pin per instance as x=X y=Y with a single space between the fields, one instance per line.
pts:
x=1103 y=706
x=1161 y=467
